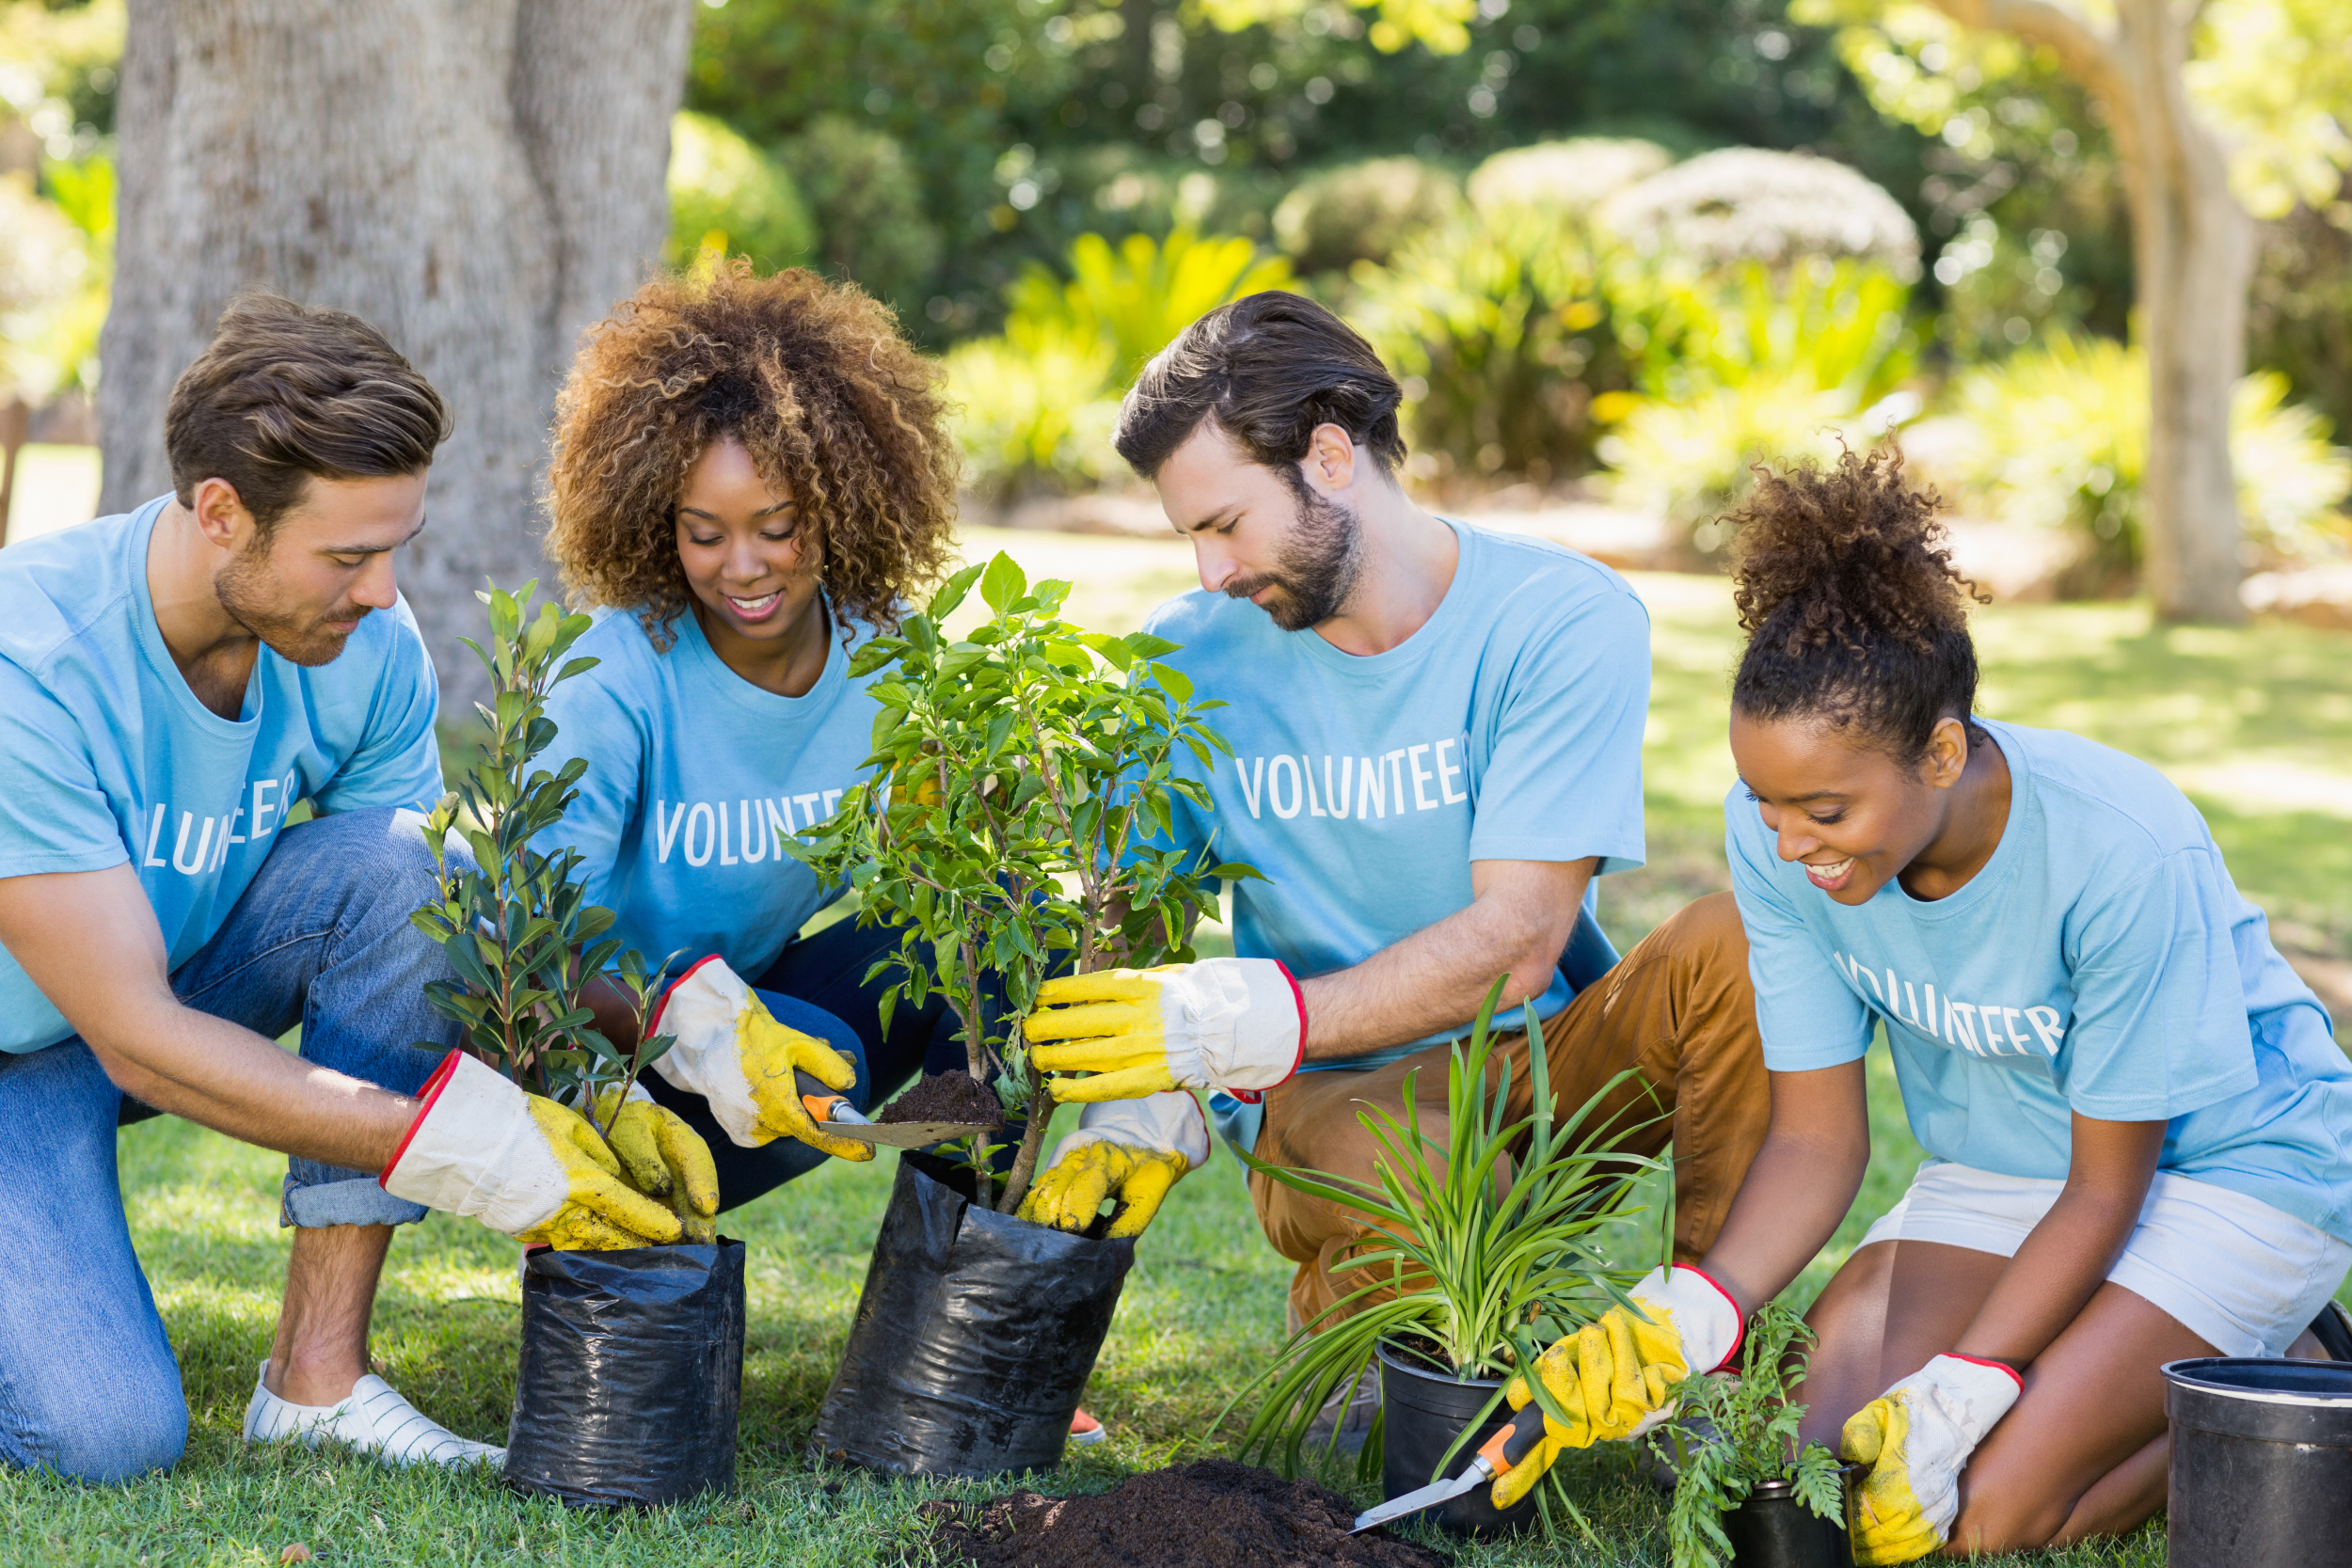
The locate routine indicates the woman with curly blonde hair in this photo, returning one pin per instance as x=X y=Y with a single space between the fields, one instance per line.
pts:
x=751 y=476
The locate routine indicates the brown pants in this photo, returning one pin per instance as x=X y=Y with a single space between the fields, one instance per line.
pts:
x=1677 y=1010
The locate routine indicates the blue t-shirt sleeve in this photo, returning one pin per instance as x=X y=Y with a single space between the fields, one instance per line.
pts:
x=591 y=721
x=1808 y=1016
x=1564 y=777
x=2159 y=1027
x=53 y=816
x=397 y=762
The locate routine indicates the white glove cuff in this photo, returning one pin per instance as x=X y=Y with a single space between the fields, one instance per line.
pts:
x=1234 y=1024
x=703 y=1013
x=1705 y=1316
x=475 y=1151
x=1168 y=1122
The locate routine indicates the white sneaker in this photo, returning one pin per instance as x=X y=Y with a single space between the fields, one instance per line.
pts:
x=373 y=1419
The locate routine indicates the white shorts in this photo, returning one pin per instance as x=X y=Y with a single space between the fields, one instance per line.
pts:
x=2241 y=1275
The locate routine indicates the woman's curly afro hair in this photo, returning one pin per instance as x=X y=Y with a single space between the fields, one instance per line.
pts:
x=814 y=382
x=1854 y=611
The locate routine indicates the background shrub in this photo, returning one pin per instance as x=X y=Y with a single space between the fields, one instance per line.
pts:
x=868 y=207
x=1363 y=212
x=727 y=195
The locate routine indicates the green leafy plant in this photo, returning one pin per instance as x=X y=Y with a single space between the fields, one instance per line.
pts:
x=516 y=925
x=1734 y=1433
x=1019 y=774
x=1494 y=1241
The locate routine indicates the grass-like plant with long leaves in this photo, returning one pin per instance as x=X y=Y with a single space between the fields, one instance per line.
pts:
x=517 y=925
x=1492 y=1244
x=1017 y=779
x=1745 y=1434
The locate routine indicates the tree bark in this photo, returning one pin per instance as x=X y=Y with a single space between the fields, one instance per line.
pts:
x=2193 y=253
x=477 y=179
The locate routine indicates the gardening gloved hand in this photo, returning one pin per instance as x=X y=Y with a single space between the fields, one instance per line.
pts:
x=735 y=1054
x=1234 y=1024
x=1917 y=1437
x=662 y=1158
x=1611 y=1375
x=520 y=1164
x=1129 y=1150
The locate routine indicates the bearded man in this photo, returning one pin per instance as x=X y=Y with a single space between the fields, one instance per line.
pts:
x=174 y=683
x=1436 y=732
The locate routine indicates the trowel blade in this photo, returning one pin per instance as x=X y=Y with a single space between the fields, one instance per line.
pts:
x=1428 y=1496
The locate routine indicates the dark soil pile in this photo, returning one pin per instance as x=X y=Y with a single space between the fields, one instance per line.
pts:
x=946 y=1096
x=1212 y=1513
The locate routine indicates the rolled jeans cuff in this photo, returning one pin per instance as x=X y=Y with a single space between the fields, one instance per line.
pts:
x=317 y=1196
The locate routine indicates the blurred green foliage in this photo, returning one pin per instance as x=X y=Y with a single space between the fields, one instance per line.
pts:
x=728 y=197
x=869 y=205
x=1363 y=212
x=2060 y=442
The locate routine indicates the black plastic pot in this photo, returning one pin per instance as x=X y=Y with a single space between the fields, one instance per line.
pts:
x=973 y=1338
x=2261 y=1462
x=632 y=1375
x=1423 y=1412
x=1774 y=1530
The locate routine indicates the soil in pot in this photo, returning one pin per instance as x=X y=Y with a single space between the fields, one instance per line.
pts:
x=975 y=1335
x=632 y=1374
x=1423 y=1412
x=1774 y=1530
x=952 y=1097
x=1211 y=1513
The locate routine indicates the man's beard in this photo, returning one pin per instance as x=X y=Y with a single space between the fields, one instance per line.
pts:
x=249 y=592
x=1314 y=571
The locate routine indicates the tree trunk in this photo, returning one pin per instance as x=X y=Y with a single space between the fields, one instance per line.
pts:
x=2193 y=252
x=477 y=179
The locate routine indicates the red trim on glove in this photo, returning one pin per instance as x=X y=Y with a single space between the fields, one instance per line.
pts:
x=431 y=1092
x=1254 y=1097
x=653 y=1020
x=2015 y=1376
x=1739 y=1330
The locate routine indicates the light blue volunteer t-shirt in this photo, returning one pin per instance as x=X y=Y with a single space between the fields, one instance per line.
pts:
x=106 y=757
x=692 y=773
x=2102 y=961
x=1507 y=728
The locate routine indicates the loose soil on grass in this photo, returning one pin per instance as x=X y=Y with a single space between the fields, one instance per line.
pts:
x=1211 y=1513
x=946 y=1096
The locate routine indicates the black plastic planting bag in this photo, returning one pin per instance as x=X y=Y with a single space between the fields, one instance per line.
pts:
x=632 y=1369
x=973 y=1338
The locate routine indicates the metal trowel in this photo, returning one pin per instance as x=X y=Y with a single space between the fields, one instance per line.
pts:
x=1502 y=1450
x=841 y=1118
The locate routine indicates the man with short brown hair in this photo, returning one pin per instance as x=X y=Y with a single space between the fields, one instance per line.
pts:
x=174 y=681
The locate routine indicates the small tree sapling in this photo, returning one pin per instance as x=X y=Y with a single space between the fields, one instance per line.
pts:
x=1017 y=777
x=1736 y=1433
x=517 y=925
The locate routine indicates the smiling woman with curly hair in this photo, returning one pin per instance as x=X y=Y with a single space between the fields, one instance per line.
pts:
x=751 y=475
x=809 y=381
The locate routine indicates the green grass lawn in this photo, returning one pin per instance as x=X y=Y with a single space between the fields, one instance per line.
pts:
x=2257 y=723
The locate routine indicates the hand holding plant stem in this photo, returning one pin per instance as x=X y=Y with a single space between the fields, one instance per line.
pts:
x=1017 y=776
x=517 y=925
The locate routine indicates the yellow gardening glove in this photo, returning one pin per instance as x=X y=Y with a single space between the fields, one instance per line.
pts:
x=519 y=1163
x=1917 y=1438
x=733 y=1053
x=1131 y=1151
x=1612 y=1376
x=1234 y=1024
x=664 y=1158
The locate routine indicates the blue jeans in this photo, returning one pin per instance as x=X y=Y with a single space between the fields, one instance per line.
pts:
x=819 y=987
x=88 y=1385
